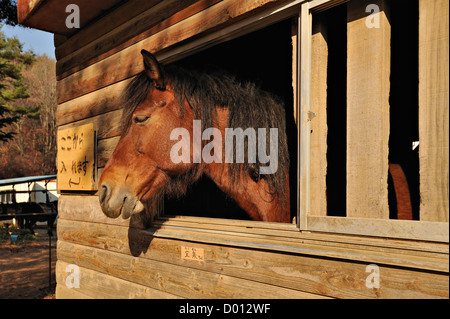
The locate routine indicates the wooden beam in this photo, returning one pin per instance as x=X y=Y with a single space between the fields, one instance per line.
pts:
x=50 y=15
x=25 y=8
x=368 y=69
x=127 y=62
x=99 y=28
x=172 y=278
x=433 y=110
x=107 y=124
x=99 y=102
x=144 y=25
x=106 y=248
x=319 y=128
x=384 y=228
x=96 y=285
x=303 y=120
x=265 y=236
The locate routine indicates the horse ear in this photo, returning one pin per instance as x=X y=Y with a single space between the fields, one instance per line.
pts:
x=153 y=70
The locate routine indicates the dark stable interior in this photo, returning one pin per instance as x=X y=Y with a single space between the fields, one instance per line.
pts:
x=403 y=100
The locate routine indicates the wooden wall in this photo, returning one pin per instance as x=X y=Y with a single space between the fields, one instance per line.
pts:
x=121 y=259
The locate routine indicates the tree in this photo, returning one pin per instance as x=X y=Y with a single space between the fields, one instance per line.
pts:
x=12 y=87
x=37 y=126
x=8 y=12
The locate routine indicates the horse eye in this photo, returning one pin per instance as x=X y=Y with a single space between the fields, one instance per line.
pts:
x=138 y=119
x=254 y=175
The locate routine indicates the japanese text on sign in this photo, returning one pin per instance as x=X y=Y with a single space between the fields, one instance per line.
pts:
x=192 y=253
x=76 y=159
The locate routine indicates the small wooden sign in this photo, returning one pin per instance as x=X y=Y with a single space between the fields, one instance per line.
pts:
x=192 y=253
x=76 y=159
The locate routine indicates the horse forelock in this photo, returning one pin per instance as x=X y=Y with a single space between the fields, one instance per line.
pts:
x=134 y=95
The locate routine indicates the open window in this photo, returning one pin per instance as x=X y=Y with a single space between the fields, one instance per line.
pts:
x=366 y=149
x=263 y=57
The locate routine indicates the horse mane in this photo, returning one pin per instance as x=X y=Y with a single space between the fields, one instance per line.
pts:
x=248 y=107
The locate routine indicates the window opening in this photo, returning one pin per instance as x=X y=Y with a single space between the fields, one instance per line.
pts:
x=263 y=57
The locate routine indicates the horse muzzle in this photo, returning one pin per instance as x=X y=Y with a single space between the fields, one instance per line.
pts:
x=117 y=201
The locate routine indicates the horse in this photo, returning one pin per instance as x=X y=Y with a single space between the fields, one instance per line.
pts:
x=161 y=99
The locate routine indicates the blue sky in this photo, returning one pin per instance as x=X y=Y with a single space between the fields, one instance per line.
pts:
x=41 y=42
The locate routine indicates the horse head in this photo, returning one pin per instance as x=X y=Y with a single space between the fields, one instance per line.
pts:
x=140 y=165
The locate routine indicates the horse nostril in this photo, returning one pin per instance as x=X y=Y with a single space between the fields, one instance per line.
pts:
x=104 y=193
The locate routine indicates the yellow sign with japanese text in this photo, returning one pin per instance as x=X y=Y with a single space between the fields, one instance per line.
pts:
x=76 y=159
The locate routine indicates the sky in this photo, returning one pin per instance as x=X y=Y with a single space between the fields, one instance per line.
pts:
x=39 y=41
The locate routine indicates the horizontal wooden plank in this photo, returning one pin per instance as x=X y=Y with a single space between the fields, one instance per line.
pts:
x=119 y=15
x=59 y=39
x=87 y=208
x=127 y=62
x=26 y=7
x=420 y=230
x=50 y=15
x=107 y=125
x=322 y=5
x=98 y=102
x=98 y=285
x=62 y=292
x=260 y=240
x=272 y=236
x=105 y=149
x=147 y=23
x=174 y=279
x=295 y=272
x=255 y=21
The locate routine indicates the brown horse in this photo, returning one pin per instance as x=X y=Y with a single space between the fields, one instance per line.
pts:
x=161 y=99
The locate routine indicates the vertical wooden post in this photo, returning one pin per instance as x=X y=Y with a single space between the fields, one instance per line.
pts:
x=433 y=109
x=304 y=124
x=319 y=128
x=368 y=69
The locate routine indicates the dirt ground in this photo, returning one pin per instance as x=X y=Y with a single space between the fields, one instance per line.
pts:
x=24 y=269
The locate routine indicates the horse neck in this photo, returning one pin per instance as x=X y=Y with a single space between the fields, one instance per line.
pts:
x=253 y=197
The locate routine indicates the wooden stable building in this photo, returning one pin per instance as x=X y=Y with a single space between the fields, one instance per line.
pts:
x=366 y=86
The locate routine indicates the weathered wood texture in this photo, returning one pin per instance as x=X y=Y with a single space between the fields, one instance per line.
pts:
x=103 y=246
x=50 y=15
x=124 y=63
x=126 y=12
x=303 y=112
x=368 y=69
x=97 y=285
x=433 y=110
x=147 y=23
x=319 y=129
